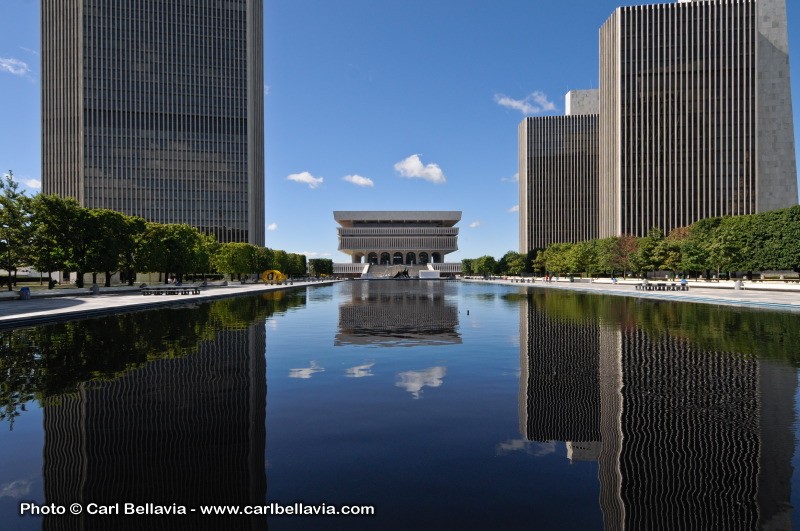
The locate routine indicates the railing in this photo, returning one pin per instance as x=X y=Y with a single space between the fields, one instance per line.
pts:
x=347 y=268
x=447 y=267
x=407 y=231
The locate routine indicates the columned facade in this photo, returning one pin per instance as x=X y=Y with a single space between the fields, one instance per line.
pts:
x=412 y=238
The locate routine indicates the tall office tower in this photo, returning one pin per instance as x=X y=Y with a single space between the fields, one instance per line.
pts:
x=695 y=114
x=558 y=175
x=156 y=109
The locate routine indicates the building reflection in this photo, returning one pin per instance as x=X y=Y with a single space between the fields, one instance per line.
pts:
x=389 y=313
x=684 y=437
x=187 y=430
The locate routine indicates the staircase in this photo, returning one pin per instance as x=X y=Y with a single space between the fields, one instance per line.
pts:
x=384 y=271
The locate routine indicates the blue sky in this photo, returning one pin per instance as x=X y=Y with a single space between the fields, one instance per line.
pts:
x=377 y=91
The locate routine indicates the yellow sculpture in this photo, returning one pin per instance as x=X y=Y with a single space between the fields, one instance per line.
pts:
x=272 y=275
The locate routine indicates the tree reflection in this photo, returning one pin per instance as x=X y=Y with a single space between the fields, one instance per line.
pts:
x=47 y=361
x=764 y=334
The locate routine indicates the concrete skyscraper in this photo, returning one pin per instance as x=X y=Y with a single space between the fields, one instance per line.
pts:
x=693 y=120
x=558 y=174
x=695 y=114
x=156 y=109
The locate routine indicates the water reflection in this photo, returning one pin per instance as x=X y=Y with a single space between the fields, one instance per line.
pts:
x=415 y=381
x=684 y=436
x=157 y=407
x=305 y=373
x=360 y=371
x=187 y=431
x=388 y=313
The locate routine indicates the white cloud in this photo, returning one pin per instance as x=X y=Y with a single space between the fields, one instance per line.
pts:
x=515 y=208
x=534 y=103
x=34 y=184
x=14 y=66
x=266 y=90
x=413 y=168
x=306 y=178
x=513 y=179
x=360 y=371
x=306 y=372
x=29 y=50
x=415 y=381
x=272 y=226
x=475 y=224
x=358 y=180
x=315 y=254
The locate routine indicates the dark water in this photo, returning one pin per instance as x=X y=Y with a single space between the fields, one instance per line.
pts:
x=440 y=404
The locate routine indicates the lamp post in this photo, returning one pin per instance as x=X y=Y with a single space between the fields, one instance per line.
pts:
x=5 y=241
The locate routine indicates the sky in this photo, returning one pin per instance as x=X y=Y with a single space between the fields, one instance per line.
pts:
x=381 y=105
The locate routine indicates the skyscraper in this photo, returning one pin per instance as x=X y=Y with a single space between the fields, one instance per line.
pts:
x=156 y=108
x=558 y=174
x=695 y=114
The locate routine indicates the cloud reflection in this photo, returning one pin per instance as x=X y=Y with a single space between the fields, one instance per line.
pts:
x=536 y=449
x=414 y=381
x=360 y=371
x=16 y=489
x=306 y=372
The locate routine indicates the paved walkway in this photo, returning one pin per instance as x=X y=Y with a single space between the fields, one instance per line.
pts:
x=776 y=296
x=16 y=313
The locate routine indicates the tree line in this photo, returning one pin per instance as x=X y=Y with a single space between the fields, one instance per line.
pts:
x=769 y=241
x=52 y=233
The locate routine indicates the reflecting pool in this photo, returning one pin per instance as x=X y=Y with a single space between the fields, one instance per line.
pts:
x=440 y=404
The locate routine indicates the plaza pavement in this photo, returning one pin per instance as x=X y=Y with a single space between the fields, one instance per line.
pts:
x=778 y=296
x=78 y=303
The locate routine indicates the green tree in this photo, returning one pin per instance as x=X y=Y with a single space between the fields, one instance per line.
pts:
x=297 y=265
x=670 y=249
x=485 y=265
x=320 y=266
x=265 y=257
x=517 y=264
x=16 y=230
x=280 y=261
x=557 y=258
x=235 y=258
x=466 y=266
x=648 y=254
x=603 y=253
x=511 y=263
x=50 y=249
x=695 y=248
x=130 y=234
x=108 y=229
x=63 y=234
x=581 y=257
x=172 y=248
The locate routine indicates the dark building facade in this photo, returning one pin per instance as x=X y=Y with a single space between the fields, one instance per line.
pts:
x=695 y=114
x=557 y=180
x=156 y=109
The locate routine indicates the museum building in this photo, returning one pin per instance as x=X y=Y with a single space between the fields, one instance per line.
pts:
x=396 y=238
